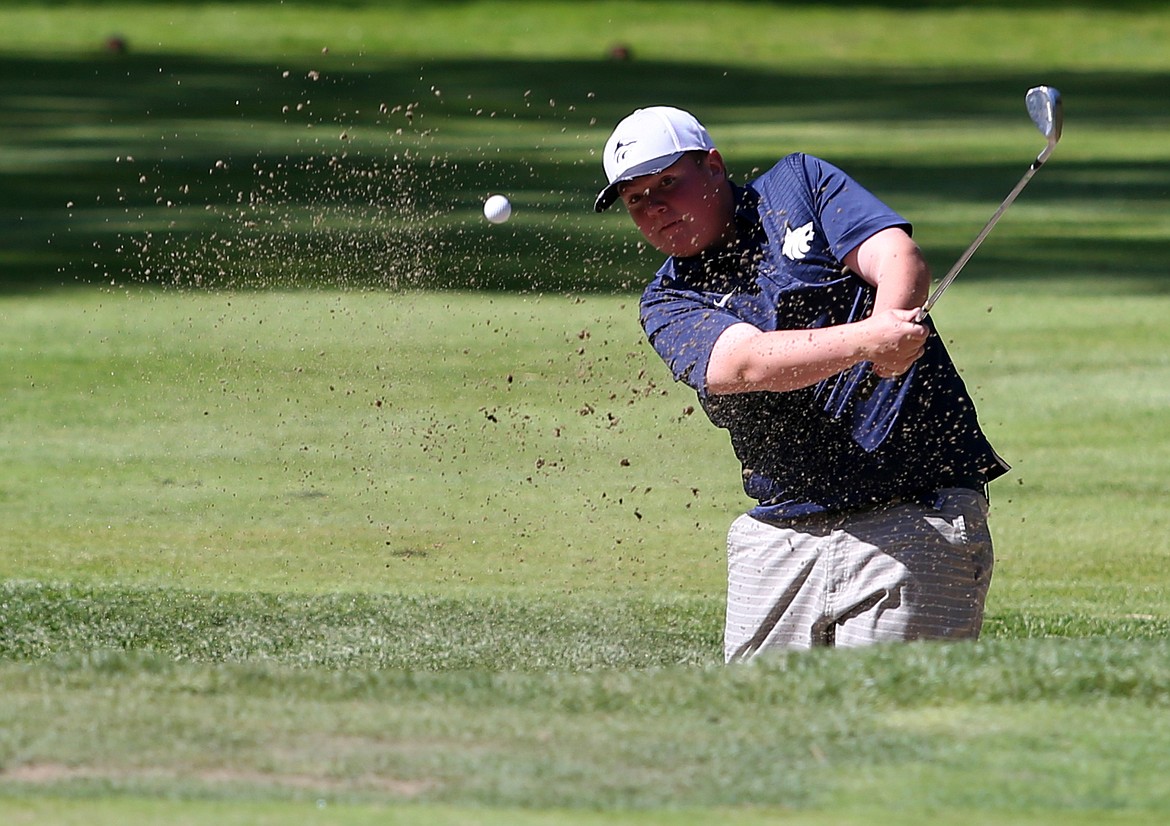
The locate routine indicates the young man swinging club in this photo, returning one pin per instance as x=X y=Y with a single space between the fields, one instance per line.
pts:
x=788 y=304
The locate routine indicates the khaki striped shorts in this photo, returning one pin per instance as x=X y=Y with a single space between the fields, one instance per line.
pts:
x=900 y=572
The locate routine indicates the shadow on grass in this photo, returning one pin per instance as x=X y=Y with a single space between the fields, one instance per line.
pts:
x=195 y=172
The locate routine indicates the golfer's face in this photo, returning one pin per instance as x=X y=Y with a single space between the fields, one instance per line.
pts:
x=682 y=210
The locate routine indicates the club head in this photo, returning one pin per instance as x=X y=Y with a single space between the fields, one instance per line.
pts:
x=1046 y=111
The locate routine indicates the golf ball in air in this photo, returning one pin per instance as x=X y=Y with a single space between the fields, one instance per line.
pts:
x=497 y=209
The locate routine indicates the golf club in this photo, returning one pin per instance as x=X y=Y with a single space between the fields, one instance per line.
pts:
x=1047 y=113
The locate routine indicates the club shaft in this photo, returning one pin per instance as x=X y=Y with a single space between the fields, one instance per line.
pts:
x=966 y=256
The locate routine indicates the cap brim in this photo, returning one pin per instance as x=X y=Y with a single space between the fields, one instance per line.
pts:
x=607 y=196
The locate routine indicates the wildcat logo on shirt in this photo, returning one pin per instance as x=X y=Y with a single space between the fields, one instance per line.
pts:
x=797 y=242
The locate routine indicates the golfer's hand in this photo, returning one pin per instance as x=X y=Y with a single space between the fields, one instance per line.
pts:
x=897 y=341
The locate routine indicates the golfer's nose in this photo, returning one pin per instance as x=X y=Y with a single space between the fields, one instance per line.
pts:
x=655 y=201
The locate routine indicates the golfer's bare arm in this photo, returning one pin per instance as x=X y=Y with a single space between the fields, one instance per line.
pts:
x=746 y=359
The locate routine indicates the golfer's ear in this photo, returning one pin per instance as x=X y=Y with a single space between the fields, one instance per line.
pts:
x=714 y=162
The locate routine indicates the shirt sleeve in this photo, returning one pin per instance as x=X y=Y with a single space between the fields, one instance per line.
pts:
x=848 y=212
x=683 y=327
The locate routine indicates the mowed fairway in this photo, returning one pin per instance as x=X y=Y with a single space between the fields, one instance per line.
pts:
x=323 y=501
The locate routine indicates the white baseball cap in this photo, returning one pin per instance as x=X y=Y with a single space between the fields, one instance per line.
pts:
x=647 y=142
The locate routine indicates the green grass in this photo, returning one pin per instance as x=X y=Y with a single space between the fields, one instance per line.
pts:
x=852 y=732
x=253 y=159
x=325 y=502
x=351 y=441
x=372 y=441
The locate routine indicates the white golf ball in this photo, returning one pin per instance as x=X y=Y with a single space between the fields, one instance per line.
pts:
x=497 y=209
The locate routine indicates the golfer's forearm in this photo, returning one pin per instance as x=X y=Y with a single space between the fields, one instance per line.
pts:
x=787 y=359
x=904 y=287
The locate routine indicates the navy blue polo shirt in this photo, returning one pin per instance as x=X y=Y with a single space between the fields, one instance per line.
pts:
x=851 y=441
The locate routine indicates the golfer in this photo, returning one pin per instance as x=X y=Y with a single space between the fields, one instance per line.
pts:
x=789 y=305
